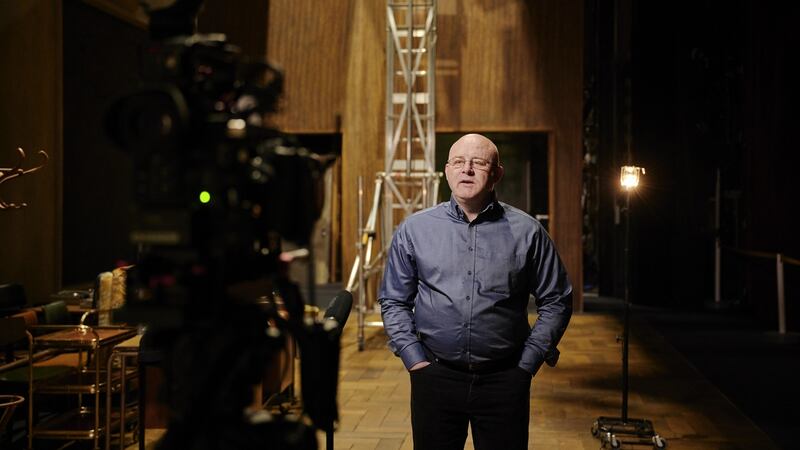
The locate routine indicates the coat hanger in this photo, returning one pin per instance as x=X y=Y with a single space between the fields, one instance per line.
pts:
x=9 y=173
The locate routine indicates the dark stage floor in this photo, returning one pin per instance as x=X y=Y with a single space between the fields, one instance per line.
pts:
x=754 y=367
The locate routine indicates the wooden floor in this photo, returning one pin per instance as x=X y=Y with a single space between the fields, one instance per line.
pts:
x=684 y=408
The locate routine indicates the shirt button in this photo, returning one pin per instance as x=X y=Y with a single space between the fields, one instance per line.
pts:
x=468 y=297
x=469 y=272
x=470 y=249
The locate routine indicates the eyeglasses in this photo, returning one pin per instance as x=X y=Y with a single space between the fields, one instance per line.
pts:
x=477 y=163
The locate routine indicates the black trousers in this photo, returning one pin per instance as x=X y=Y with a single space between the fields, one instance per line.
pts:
x=444 y=401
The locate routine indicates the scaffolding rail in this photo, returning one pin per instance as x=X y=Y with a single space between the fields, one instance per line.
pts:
x=408 y=181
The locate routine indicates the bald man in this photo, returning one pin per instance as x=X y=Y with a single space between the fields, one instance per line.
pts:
x=454 y=301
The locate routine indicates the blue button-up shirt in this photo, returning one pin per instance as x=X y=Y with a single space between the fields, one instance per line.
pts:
x=462 y=288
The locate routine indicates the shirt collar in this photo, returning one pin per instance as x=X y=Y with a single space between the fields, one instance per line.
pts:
x=492 y=211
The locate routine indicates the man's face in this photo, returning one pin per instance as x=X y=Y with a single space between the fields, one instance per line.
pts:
x=472 y=181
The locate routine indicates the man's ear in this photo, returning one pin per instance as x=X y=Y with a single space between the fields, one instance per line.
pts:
x=446 y=176
x=497 y=174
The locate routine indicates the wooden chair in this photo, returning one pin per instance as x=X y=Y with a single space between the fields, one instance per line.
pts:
x=18 y=344
x=8 y=403
x=55 y=313
x=20 y=371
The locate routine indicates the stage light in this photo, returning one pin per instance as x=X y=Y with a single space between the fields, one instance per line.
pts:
x=610 y=430
x=629 y=177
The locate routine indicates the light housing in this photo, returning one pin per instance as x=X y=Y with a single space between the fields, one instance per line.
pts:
x=629 y=177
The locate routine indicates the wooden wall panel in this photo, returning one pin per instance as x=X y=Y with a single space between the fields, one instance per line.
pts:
x=517 y=65
x=489 y=71
x=30 y=117
x=502 y=65
x=508 y=65
x=244 y=23
x=311 y=41
x=332 y=54
x=363 y=120
x=561 y=52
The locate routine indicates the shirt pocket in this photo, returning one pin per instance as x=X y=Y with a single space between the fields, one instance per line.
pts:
x=503 y=274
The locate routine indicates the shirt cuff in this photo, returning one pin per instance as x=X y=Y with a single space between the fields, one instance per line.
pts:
x=412 y=354
x=531 y=360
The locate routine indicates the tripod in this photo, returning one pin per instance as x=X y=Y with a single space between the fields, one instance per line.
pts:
x=607 y=429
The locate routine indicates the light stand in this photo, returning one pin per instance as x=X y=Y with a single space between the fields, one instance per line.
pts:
x=608 y=429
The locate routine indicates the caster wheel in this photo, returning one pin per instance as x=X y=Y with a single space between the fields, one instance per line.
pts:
x=659 y=442
x=611 y=440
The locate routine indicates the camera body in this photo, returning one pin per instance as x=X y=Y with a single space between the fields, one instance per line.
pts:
x=217 y=189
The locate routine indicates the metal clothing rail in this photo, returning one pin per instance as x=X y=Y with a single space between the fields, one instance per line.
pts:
x=780 y=260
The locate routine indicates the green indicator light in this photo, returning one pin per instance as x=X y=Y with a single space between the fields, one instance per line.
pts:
x=205 y=197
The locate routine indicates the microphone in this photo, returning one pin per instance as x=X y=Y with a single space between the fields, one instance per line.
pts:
x=319 y=363
x=339 y=309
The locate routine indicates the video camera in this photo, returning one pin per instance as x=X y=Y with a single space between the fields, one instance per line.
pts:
x=217 y=189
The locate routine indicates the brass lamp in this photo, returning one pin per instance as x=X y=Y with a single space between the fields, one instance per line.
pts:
x=609 y=429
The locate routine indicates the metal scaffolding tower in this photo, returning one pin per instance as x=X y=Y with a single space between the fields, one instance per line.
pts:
x=409 y=181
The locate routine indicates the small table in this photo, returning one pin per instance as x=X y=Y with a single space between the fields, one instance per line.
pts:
x=123 y=350
x=83 y=423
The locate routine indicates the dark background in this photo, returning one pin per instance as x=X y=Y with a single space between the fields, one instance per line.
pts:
x=690 y=88
x=98 y=176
